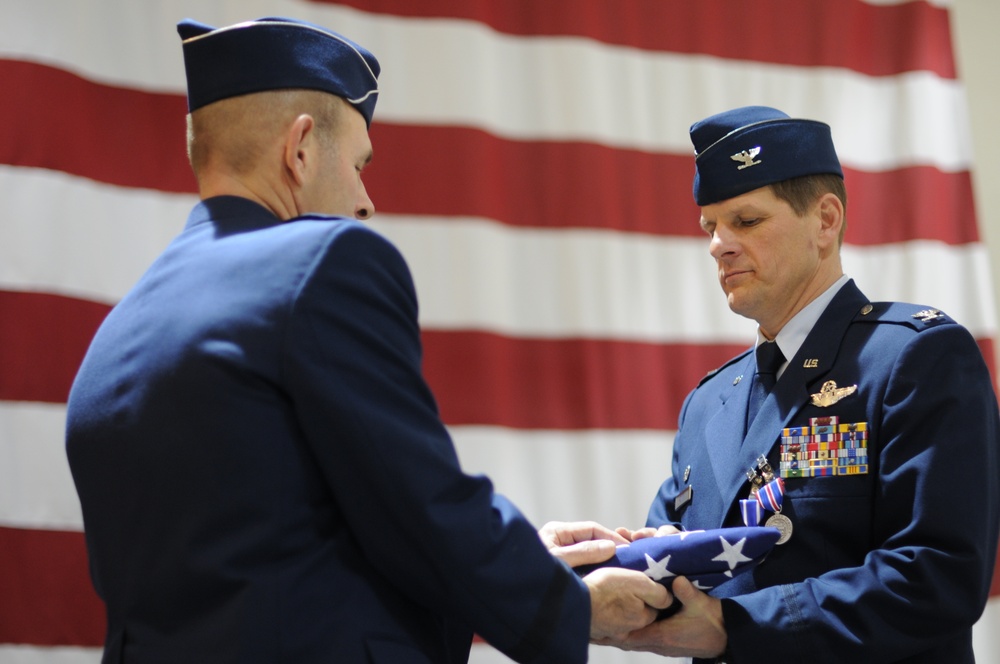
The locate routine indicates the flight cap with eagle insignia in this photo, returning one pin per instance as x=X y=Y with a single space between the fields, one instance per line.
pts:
x=753 y=146
x=276 y=53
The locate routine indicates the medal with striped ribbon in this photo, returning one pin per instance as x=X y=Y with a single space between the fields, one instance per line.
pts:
x=770 y=497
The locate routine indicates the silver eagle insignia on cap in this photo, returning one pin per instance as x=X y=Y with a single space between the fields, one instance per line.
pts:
x=746 y=157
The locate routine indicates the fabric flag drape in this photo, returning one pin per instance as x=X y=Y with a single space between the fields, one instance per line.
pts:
x=533 y=165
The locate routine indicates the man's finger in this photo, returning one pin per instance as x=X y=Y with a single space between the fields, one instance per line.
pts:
x=656 y=596
x=585 y=553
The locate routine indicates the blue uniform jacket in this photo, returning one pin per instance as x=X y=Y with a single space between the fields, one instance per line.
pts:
x=264 y=476
x=892 y=565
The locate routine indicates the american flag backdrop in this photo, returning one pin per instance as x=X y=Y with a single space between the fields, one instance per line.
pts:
x=532 y=163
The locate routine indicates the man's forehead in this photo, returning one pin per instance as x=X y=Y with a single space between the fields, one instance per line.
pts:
x=755 y=201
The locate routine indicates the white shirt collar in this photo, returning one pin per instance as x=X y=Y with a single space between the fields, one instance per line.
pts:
x=795 y=331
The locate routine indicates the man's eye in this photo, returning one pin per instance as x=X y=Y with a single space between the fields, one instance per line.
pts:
x=749 y=222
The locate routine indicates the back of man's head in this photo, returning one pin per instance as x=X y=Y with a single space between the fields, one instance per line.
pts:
x=241 y=134
x=248 y=82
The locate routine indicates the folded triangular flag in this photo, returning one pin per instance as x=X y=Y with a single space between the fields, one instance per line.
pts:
x=707 y=558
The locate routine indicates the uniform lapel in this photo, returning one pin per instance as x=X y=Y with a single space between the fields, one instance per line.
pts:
x=811 y=363
x=724 y=433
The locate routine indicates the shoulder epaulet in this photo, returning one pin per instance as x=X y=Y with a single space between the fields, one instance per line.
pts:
x=712 y=373
x=917 y=316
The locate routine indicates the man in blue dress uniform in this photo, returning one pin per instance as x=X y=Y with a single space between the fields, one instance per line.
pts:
x=874 y=452
x=263 y=473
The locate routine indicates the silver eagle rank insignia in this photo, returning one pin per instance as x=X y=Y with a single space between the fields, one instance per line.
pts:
x=928 y=315
x=746 y=158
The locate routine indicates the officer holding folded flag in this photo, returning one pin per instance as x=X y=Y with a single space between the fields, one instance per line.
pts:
x=865 y=433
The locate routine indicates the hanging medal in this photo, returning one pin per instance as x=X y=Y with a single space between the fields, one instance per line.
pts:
x=770 y=497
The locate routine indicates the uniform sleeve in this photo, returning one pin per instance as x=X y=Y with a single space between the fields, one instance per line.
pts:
x=661 y=510
x=934 y=519
x=442 y=537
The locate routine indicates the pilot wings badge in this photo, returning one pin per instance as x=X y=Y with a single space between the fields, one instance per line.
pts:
x=830 y=394
x=746 y=157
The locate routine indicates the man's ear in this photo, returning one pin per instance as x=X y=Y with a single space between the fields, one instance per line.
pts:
x=300 y=149
x=831 y=218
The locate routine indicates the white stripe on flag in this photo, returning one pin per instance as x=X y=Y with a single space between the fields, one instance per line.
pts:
x=83 y=220
x=606 y=476
x=36 y=489
x=24 y=654
x=433 y=74
x=627 y=284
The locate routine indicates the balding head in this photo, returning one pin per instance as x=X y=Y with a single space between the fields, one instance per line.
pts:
x=242 y=135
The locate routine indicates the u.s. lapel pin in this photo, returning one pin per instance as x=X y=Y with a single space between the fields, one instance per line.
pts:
x=830 y=394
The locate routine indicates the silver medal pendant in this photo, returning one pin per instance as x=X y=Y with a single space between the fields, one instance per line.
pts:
x=783 y=525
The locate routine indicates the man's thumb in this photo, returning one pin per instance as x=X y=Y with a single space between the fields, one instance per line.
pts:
x=684 y=590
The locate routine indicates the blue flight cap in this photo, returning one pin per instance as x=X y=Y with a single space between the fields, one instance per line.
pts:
x=750 y=147
x=274 y=54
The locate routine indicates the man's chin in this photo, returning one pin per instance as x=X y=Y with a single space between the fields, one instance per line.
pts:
x=740 y=306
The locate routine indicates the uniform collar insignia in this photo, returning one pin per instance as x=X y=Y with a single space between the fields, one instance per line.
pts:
x=928 y=315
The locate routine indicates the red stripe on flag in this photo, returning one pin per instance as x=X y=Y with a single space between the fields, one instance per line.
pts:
x=482 y=378
x=48 y=599
x=871 y=39
x=106 y=133
x=43 y=338
x=519 y=183
x=477 y=377
x=542 y=184
x=546 y=184
x=935 y=206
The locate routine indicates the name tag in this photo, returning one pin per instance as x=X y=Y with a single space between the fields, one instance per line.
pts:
x=683 y=498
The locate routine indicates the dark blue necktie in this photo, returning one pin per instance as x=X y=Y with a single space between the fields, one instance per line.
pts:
x=769 y=359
